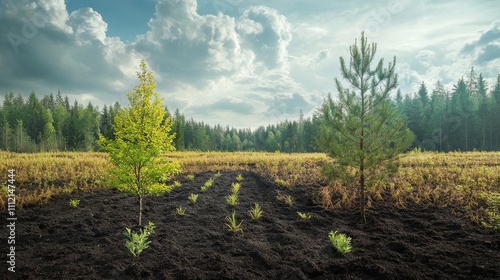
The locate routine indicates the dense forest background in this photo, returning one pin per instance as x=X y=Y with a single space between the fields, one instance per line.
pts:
x=465 y=118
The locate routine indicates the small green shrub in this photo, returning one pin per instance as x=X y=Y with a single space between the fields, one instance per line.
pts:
x=239 y=178
x=138 y=242
x=193 y=197
x=236 y=187
x=180 y=211
x=233 y=225
x=256 y=212
x=341 y=242
x=492 y=212
x=232 y=199
x=74 y=202
x=304 y=216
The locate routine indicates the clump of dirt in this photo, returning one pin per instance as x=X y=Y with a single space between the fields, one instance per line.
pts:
x=56 y=241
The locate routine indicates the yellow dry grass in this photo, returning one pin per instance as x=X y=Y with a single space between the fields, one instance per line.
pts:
x=458 y=178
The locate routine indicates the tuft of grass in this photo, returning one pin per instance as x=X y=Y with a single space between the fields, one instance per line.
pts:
x=180 y=211
x=192 y=198
x=282 y=183
x=232 y=199
x=239 y=178
x=341 y=242
x=304 y=216
x=236 y=187
x=74 y=202
x=256 y=212
x=233 y=225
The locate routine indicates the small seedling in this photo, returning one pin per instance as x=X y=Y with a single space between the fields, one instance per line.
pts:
x=304 y=216
x=341 y=242
x=236 y=187
x=180 y=211
x=256 y=212
x=137 y=242
x=177 y=184
x=232 y=199
x=282 y=183
x=193 y=197
x=233 y=225
x=190 y=177
x=217 y=175
x=209 y=183
x=288 y=200
x=74 y=202
x=239 y=178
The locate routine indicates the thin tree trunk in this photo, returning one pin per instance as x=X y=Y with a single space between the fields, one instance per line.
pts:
x=140 y=210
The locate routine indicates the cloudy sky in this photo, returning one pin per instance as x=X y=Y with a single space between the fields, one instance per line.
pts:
x=242 y=63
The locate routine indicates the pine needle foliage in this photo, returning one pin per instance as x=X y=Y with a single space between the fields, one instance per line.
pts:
x=361 y=130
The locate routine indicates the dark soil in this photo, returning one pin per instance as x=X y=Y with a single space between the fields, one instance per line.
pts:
x=56 y=241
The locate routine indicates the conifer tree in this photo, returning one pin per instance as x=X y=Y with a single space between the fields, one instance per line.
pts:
x=361 y=130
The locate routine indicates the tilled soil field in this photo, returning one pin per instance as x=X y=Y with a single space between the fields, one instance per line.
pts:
x=56 y=241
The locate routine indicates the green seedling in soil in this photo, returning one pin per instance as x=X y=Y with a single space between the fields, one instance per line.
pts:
x=190 y=177
x=282 y=183
x=207 y=185
x=239 y=178
x=180 y=211
x=193 y=197
x=288 y=200
x=233 y=225
x=217 y=175
x=236 y=187
x=232 y=199
x=177 y=184
x=256 y=212
x=138 y=242
x=74 y=202
x=304 y=216
x=341 y=242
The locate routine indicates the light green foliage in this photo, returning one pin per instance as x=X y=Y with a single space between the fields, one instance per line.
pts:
x=304 y=216
x=232 y=199
x=208 y=184
x=192 y=198
x=282 y=183
x=341 y=242
x=361 y=130
x=190 y=177
x=236 y=187
x=492 y=213
x=239 y=178
x=288 y=200
x=74 y=202
x=177 y=184
x=138 y=242
x=217 y=175
x=141 y=141
x=233 y=225
x=180 y=211
x=256 y=212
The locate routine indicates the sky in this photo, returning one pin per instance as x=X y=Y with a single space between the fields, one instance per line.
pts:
x=239 y=63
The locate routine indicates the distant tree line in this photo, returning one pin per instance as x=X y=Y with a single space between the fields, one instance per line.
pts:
x=465 y=118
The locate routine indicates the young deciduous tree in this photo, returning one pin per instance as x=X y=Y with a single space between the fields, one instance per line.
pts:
x=361 y=130
x=141 y=141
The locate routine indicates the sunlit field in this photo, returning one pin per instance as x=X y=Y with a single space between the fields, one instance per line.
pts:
x=469 y=180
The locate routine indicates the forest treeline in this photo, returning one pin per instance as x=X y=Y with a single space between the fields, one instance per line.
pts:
x=465 y=118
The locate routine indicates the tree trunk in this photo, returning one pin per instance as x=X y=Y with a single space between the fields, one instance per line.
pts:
x=140 y=210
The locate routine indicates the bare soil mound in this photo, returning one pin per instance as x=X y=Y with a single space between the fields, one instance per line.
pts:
x=56 y=241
